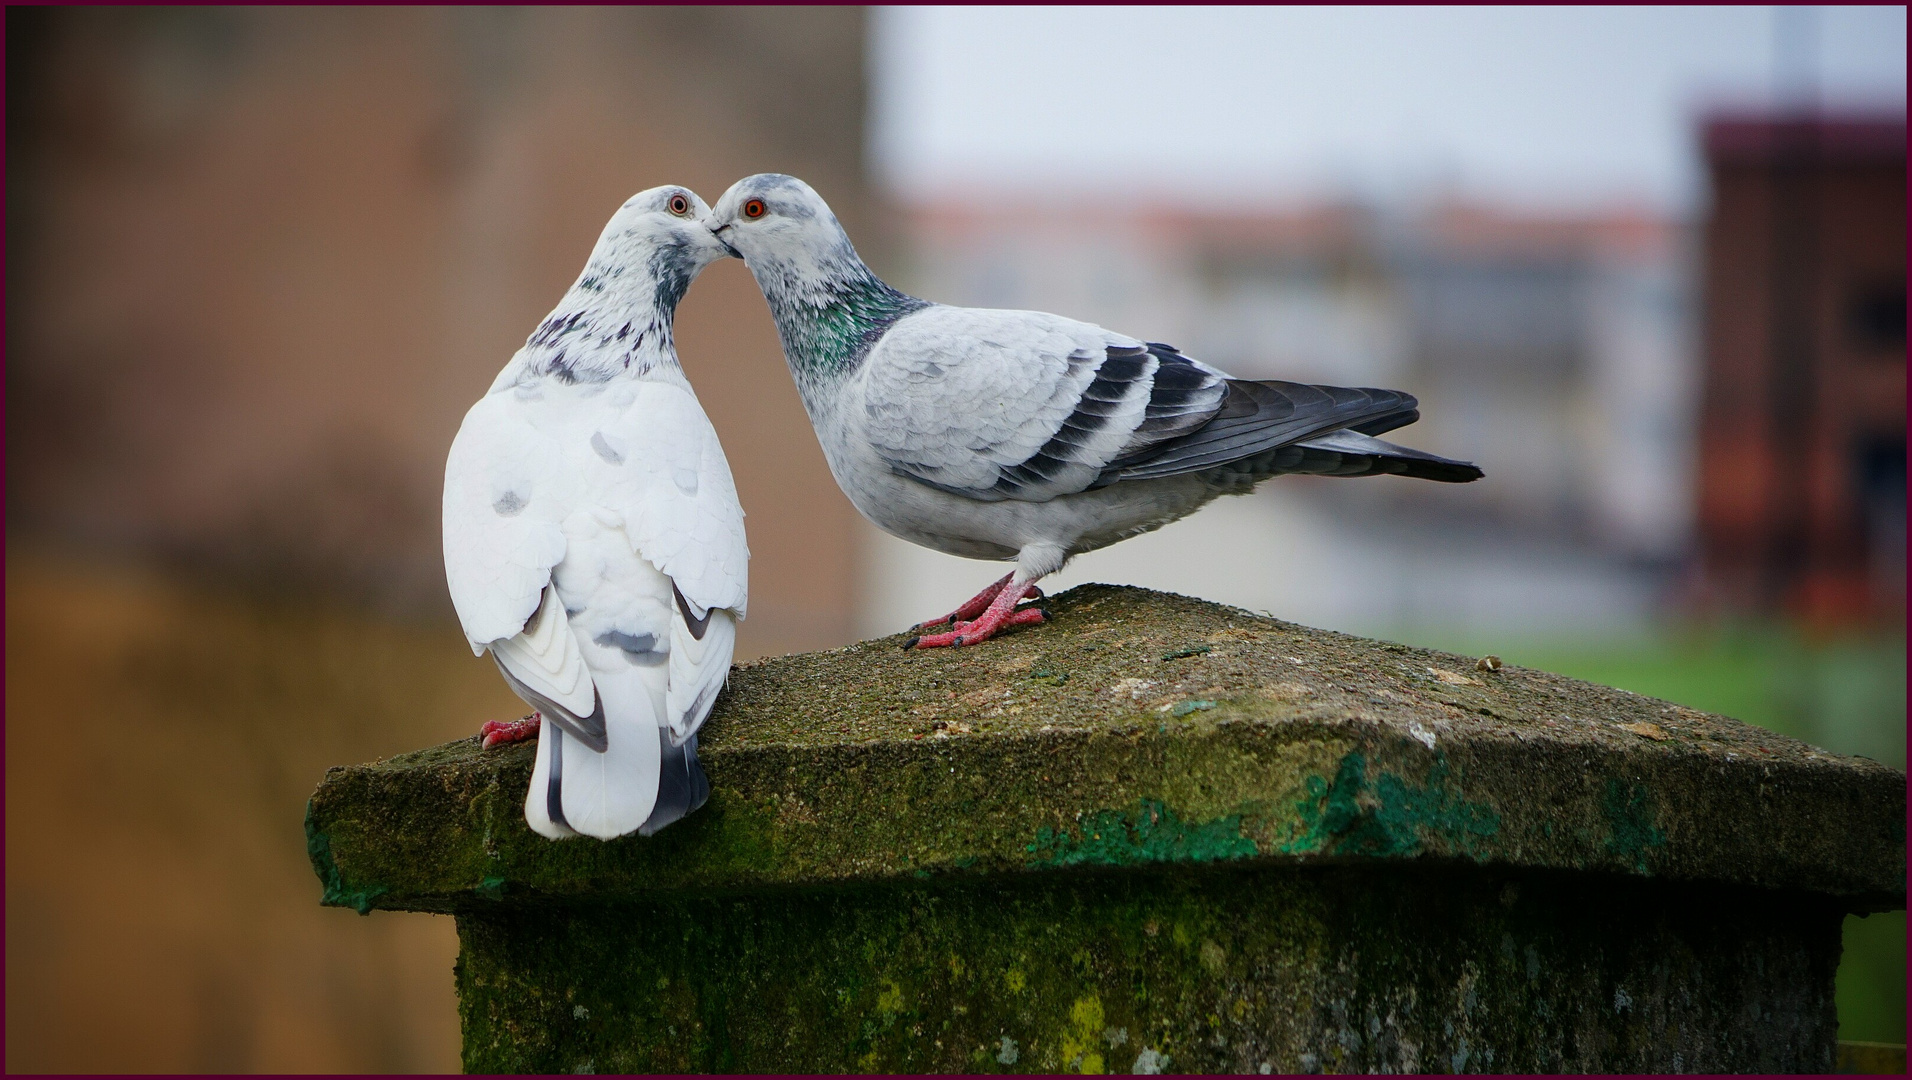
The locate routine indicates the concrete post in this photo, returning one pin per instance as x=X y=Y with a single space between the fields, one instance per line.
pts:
x=1155 y=835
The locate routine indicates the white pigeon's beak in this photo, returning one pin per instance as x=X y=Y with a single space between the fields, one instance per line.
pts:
x=718 y=232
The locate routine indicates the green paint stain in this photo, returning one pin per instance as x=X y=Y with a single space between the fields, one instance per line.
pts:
x=1389 y=818
x=318 y=847
x=1630 y=817
x=1150 y=833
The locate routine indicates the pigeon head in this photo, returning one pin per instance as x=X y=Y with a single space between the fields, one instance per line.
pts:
x=786 y=233
x=828 y=306
x=664 y=230
x=617 y=316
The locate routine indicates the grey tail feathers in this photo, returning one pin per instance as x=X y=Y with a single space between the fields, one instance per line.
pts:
x=681 y=784
x=1346 y=453
x=1361 y=454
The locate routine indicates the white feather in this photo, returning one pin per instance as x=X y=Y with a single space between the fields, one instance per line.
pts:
x=607 y=795
x=699 y=670
x=547 y=659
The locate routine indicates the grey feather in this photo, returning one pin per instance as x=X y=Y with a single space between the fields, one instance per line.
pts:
x=554 y=785
x=588 y=730
x=681 y=786
x=1260 y=416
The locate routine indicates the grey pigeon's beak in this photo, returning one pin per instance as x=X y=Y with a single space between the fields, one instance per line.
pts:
x=718 y=232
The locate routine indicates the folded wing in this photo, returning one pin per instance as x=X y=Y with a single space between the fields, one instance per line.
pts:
x=504 y=500
x=1023 y=405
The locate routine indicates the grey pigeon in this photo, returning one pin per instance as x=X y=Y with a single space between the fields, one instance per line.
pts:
x=1020 y=435
x=593 y=540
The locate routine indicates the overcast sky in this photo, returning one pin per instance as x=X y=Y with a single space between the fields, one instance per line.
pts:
x=1556 y=107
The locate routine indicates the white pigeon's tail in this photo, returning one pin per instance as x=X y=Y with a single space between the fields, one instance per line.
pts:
x=612 y=793
x=604 y=802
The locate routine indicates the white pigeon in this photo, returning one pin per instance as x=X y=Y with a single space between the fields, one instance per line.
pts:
x=1020 y=435
x=593 y=539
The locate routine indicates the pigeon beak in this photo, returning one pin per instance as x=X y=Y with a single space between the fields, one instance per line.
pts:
x=718 y=232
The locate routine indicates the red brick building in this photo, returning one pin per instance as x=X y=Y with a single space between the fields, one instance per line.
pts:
x=1802 y=425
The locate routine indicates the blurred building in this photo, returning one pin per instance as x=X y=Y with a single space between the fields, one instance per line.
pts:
x=1552 y=350
x=1802 y=444
x=261 y=261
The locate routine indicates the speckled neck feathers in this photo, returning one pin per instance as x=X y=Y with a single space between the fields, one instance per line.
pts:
x=616 y=320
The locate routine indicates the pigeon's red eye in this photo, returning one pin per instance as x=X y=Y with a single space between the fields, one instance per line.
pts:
x=754 y=209
x=679 y=205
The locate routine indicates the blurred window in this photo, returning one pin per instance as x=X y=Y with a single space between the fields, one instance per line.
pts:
x=1875 y=317
x=1503 y=319
x=1881 y=463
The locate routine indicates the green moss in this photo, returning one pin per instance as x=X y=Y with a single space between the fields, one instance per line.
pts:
x=1096 y=845
x=1214 y=969
x=1080 y=1044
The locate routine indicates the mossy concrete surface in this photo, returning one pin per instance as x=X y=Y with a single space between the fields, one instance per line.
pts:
x=1153 y=835
x=1139 y=729
x=1285 y=969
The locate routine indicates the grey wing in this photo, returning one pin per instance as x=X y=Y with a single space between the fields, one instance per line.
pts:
x=1019 y=405
x=995 y=405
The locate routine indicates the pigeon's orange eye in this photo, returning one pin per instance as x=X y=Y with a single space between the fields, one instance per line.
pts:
x=754 y=209
x=679 y=205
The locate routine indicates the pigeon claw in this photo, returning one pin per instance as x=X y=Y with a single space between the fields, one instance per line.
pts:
x=495 y=733
x=980 y=603
x=970 y=633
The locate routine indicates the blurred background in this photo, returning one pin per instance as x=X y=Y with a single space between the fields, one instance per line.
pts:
x=1647 y=267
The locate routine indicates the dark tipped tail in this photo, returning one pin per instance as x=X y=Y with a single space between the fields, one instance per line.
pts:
x=1360 y=454
x=681 y=785
x=1346 y=453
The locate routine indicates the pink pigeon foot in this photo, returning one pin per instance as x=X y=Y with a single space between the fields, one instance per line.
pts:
x=979 y=603
x=497 y=733
x=1001 y=614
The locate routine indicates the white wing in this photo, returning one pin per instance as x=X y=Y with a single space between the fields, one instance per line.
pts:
x=505 y=493
x=546 y=659
x=700 y=664
x=529 y=469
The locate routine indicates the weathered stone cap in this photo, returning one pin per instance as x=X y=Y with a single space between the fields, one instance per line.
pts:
x=1140 y=728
